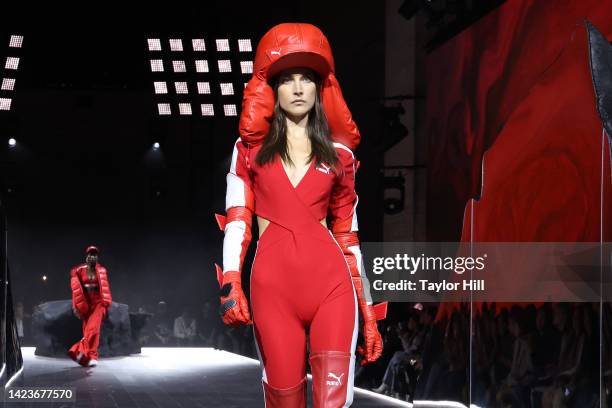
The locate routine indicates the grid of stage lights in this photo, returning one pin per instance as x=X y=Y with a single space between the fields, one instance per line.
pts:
x=199 y=76
x=11 y=65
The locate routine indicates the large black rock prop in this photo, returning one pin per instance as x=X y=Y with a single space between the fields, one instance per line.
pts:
x=55 y=329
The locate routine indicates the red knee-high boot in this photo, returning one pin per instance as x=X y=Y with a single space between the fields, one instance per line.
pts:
x=294 y=397
x=331 y=379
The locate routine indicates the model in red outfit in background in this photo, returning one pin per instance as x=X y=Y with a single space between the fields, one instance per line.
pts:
x=294 y=167
x=91 y=298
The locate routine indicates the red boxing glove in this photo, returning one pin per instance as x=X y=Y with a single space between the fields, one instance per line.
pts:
x=372 y=349
x=234 y=308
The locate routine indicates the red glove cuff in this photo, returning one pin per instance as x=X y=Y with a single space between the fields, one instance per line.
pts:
x=346 y=239
x=232 y=277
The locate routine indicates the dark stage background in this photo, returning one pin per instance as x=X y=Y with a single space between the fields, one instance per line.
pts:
x=84 y=113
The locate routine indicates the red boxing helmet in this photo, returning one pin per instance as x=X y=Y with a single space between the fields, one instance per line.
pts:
x=291 y=45
x=91 y=249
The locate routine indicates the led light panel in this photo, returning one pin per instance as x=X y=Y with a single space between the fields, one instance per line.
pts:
x=5 y=104
x=176 y=44
x=223 y=45
x=11 y=63
x=230 y=110
x=225 y=65
x=181 y=87
x=16 y=41
x=154 y=44
x=8 y=84
x=204 y=88
x=157 y=65
x=160 y=87
x=163 y=108
x=227 y=88
x=207 y=109
x=246 y=67
x=198 y=44
x=201 y=65
x=244 y=45
x=179 y=66
x=185 y=108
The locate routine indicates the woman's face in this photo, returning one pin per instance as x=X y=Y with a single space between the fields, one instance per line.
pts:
x=297 y=92
x=91 y=258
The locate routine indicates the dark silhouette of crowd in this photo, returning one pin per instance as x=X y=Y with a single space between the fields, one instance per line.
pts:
x=518 y=356
x=187 y=327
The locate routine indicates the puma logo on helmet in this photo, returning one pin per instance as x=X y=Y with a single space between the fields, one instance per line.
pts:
x=276 y=52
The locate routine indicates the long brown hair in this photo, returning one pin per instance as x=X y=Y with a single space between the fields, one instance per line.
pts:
x=322 y=151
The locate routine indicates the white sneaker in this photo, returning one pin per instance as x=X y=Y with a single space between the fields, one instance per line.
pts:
x=93 y=363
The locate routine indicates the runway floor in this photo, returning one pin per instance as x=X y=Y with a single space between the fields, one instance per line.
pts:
x=160 y=377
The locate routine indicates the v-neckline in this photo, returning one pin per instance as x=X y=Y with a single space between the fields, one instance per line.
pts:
x=280 y=162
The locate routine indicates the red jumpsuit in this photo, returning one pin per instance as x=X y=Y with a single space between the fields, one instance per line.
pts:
x=300 y=281
x=91 y=299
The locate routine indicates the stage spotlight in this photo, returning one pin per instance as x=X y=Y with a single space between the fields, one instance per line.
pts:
x=12 y=142
x=227 y=88
x=157 y=65
x=11 y=63
x=44 y=278
x=154 y=44
x=181 y=87
x=5 y=104
x=204 y=87
x=163 y=108
x=394 y=203
x=225 y=65
x=198 y=44
x=8 y=84
x=230 y=110
x=179 y=66
x=223 y=45
x=176 y=44
x=201 y=65
x=244 y=45
x=246 y=67
x=156 y=146
x=207 y=109
x=157 y=192
x=185 y=108
x=16 y=41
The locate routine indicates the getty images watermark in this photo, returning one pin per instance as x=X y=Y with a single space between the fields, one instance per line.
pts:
x=413 y=264
x=493 y=271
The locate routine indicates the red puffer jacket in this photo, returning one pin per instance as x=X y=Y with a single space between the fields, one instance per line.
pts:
x=79 y=302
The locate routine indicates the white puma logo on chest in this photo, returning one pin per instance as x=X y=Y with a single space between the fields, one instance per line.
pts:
x=324 y=168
